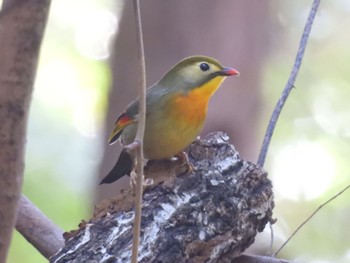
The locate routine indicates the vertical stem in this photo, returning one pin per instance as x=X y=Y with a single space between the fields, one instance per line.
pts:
x=140 y=134
x=290 y=84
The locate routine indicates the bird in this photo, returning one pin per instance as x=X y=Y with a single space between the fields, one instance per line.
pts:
x=176 y=109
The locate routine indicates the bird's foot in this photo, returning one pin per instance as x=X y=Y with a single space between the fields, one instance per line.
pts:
x=133 y=176
x=145 y=182
x=183 y=158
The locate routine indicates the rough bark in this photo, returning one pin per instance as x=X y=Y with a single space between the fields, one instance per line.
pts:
x=22 y=25
x=209 y=215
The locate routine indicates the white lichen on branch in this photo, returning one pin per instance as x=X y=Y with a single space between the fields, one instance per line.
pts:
x=209 y=215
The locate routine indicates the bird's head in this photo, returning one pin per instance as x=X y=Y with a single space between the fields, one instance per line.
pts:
x=194 y=72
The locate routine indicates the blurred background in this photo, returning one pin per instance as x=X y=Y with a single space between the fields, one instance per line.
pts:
x=88 y=74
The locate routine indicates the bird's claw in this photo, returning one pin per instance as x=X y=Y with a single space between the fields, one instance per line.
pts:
x=133 y=176
x=183 y=158
x=145 y=183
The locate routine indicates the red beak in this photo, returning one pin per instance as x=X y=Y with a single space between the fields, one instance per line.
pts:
x=228 y=72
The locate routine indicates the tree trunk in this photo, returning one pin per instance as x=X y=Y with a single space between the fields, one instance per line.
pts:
x=22 y=25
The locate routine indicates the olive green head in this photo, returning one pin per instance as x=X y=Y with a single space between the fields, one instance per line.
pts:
x=193 y=72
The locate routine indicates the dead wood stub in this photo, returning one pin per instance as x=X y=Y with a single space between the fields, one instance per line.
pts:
x=209 y=215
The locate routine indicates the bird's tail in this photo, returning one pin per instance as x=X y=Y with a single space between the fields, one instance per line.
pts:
x=123 y=167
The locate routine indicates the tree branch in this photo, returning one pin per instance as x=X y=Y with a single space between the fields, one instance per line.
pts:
x=209 y=215
x=289 y=85
x=40 y=231
x=21 y=32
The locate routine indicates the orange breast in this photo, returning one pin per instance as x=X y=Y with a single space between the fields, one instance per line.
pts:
x=192 y=107
x=174 y=128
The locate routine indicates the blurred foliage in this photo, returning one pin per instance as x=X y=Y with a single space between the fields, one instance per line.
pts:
x=308 y=158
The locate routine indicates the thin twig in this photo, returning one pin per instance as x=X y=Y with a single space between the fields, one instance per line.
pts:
x=290 y=84
x=287 y=89
x=140 y=134
x=311 y=216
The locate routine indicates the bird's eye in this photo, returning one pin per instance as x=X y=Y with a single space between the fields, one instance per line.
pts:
x=204 y=66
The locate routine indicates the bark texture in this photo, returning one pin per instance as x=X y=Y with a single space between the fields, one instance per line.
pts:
x=22 y=25
x=209 y=215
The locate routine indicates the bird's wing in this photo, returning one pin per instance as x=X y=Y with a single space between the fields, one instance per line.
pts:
x=123 y=121
x=124 y=166
x=155 y=98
